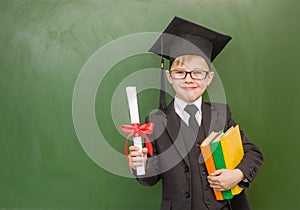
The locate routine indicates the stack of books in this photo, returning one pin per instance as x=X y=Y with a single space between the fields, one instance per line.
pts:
x=223 y=150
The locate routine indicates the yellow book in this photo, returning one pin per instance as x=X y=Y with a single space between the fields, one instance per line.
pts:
x=233 y=151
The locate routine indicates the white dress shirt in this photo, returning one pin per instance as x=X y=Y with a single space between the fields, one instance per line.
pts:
x=179 y=106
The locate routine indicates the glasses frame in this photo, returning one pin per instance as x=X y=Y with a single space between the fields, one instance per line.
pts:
x=190 y=73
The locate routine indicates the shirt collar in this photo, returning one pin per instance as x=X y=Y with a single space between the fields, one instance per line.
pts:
x=181 y=104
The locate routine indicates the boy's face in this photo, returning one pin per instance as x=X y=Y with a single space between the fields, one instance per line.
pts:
x=189 y=89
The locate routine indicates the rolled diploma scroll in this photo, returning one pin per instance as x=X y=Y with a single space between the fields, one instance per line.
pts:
x=134 y=117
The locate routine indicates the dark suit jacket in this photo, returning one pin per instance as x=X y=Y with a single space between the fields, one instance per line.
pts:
x=171 y=165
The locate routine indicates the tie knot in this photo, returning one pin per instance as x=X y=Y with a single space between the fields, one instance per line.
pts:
x=191 y=109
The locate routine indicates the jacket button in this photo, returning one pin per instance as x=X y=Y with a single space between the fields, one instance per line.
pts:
x=186 y=194
x=206 y=187
x=207 y=202
x=186 y=169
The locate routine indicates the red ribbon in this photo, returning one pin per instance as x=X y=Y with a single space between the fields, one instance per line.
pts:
x=135 y=130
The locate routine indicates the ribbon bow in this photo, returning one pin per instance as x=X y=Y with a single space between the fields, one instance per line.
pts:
x=135 y=130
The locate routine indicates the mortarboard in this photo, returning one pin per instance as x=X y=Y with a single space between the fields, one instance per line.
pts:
x=182 y=37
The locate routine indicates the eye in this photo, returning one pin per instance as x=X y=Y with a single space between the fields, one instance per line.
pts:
x=199 y=73
x=179 y=72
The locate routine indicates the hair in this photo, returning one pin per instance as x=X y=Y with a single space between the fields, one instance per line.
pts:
x=180 y=60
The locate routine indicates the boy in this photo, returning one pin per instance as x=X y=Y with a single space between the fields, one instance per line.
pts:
x=186 y=121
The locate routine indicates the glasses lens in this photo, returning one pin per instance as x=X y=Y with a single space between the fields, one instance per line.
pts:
x=199 y=74
x=177 y=74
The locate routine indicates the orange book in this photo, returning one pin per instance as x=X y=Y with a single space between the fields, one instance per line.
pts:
x=209 y=160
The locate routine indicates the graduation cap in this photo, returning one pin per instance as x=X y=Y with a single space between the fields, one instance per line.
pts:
x=182 y=37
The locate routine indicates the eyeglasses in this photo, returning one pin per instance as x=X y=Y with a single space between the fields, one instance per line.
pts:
x=197 y=74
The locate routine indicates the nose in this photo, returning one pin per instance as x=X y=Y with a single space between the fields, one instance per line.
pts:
x=188 y=77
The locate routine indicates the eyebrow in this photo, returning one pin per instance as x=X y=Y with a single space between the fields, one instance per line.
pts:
x=196 y=69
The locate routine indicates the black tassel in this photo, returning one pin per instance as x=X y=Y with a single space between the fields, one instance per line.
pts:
x=162 y=96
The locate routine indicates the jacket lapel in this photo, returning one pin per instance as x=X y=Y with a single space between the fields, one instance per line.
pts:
x=213 y=118
x=206 y=119
x=173 y=127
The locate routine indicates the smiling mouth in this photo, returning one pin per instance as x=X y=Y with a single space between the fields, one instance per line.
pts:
x=189 y=88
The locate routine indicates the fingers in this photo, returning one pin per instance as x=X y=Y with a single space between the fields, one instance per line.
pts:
x=136 y=161
x=218 y=187
x=215 y=177
x=215 y=180
x=134 y=151
x=133 y=148
x=217 y=184
x=223 y=179
x=136 y=158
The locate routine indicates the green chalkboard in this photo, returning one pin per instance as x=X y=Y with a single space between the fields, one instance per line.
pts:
x=45 y=47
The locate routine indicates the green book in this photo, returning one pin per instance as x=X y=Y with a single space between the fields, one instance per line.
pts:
x=217 y=153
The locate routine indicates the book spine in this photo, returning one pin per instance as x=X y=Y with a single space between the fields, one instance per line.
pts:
x=220 y=163
x=210 y=166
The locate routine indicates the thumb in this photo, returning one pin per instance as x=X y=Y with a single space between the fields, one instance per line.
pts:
x=218 y=172
x=145 y=151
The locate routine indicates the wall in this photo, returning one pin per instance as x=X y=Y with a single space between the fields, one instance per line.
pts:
x=44 y=46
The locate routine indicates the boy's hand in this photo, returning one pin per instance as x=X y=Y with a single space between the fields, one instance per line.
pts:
x=225 y=179
x=136 y=158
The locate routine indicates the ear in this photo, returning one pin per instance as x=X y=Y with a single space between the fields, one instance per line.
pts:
x=209 y=78
x=169 y=77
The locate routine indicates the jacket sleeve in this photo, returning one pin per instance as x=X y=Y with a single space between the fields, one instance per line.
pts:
x=253 y=157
